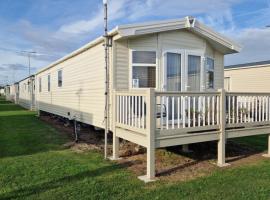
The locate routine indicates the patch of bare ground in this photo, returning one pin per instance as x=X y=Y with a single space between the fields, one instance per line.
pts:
x=172 y=164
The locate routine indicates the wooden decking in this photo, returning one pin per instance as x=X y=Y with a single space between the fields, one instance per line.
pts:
x=159 y=119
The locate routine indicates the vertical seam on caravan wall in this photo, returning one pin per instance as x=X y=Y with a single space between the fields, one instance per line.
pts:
x=158 y=64
x=113 y=52
x=219 y=69
x=129 y=64
x=112 y=81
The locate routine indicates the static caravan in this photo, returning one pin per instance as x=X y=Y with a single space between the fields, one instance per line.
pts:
x=16 y=97
x=248 y=77
x=10 y=92
x=154 y=65
x=26 y=93
x=7 y=92
x=174 y=55
x=166 y=82
x=2 y=91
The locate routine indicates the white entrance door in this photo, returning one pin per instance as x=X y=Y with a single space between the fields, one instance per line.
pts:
x=182 y=72
x=174 y=79
x=173 y=72
x=194 y=71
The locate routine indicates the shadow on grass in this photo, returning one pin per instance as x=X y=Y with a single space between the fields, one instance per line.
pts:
x=179 y=167
x=24 y=134
x=43 y=187
x=236 y=149
x=9 y=107
x=3 y=101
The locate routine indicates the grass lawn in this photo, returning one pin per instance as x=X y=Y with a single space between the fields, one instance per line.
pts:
x=35 y=165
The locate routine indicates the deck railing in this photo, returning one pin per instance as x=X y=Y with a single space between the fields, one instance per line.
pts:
x=247 y=109
x=176 y=112
x=131 y=110
x=157 y=119
x=187 y=110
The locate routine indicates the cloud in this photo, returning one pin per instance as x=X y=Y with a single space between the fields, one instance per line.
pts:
x=116 y=11
x=44 y=41
x=178 y=8
x=132 y=10
x=15 y=67
x=56 y=38
x=256 y=45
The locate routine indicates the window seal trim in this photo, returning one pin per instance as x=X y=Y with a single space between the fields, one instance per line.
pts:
x=131 y=64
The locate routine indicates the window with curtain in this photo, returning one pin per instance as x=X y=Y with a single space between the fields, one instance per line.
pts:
x=173 y=72
x=60 y=78
x=49 y=83
x=210 y=69
x=194 y=69
x=143 y=69
x=40 y=86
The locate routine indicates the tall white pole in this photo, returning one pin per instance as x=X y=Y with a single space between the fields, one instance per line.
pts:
x=106 y=46
x=29 y=64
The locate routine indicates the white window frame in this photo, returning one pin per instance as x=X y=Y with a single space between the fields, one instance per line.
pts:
x=164 y=78
x=29 y=87
x=131 y=64
x=184 y=68
x=40 y=84
x=195 y=53
x=58 y=78
x=205 y=71
x=49 y=88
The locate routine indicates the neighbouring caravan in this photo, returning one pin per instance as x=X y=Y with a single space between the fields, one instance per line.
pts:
x=16 y=97
x=248 y=77
x=174 y=55
x=26 y=93
x=2 y=91
x=7 y=92
x=10 y=91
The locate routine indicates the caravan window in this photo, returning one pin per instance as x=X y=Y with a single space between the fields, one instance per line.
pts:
x=60 y=78
x=40 y=86
x=143 y=69
x=49 y=83
x=210 y=69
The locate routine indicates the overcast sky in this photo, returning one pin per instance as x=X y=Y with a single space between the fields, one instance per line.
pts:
x=54 y=28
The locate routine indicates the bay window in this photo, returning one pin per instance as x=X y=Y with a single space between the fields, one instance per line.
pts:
x=143 y=69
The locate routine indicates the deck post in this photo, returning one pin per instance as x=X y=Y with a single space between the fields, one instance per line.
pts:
x=268 y=151
x=222 y=135
x=115 y=153
x=150 y=126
